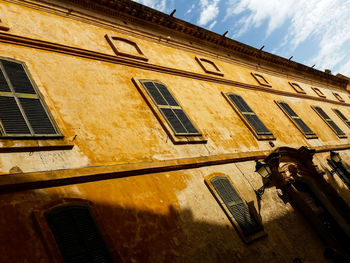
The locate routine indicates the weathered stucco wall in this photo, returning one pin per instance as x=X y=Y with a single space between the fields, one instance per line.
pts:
x=157 y=217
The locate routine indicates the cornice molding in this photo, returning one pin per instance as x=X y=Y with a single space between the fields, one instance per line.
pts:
x=142 y=15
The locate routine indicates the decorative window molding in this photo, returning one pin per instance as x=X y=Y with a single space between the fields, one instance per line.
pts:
x=176 y=123
x=3 y=26
x=261 y=79
x=342 y=117
x=209 y=66
x=296 y=120
x=318 y=92
x=334 y=127
x=338 y=97
x=23 y=114
x=125 y=48
x=243 y=217
x=249 y=117
x=297 y=87
x=69 y=225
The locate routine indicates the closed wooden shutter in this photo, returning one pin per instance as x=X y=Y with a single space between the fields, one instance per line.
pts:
x=77 y=235
x=328 y=120
x=295 y=118
x=170 y=108
x=22 y=112
x=236 y=206
x=342 y=117
x=249 y=115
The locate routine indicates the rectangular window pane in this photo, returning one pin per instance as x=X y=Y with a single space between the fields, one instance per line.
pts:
x=341 y=116
x=173 y=120
x=166 y=94
x=249 y=115
x=154 y=92
x=185 y=121
x=288 y=109
x=3 y=83
x=38 y=119
x=11 y=117
x=18 y=77
x=327 y=119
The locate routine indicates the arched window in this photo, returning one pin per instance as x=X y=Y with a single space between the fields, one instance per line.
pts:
x=22 y=111
x=77 y=234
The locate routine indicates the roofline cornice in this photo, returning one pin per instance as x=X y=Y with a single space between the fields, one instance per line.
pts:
x=141 y=14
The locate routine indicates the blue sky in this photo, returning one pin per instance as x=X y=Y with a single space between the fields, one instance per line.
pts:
x=312 y=31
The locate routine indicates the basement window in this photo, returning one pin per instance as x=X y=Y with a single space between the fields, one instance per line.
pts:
x=209 y=66
x=249 y=117
x=125 y=48
x=244 y=219
x=297 y=87
x=177 y=124
x=261 y=79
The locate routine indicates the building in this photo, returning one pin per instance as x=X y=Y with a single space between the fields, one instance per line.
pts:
x=128 y=135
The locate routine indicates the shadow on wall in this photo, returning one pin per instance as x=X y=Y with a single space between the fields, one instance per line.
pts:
x=143 y=236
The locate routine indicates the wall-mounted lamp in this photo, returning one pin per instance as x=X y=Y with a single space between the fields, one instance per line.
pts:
x=335 y=157
x=265 y=172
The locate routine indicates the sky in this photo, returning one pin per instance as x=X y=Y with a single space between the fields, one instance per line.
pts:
x=314 y=32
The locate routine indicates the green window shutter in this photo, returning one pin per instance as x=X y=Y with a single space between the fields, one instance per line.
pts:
x=249 y=115
x=77 y=235
x=296 y=119
x=341 y=116
x=236 y=206
x=22 y=112
x=170 y=108
x=328 y=120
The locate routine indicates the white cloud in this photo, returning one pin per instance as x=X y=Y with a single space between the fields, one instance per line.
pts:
x=210 y=27
x=190 y=10
x=327 y=21
x=156 y=4
x=209 y=11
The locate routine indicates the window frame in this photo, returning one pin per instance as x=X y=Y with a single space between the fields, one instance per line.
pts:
x=307 y=136
x=297 y=87
x=246 y=122
x=257 y=77
x=338 y=97
x=252 y=210
x=3 y=26
x=318 y=92
x=326 y=121
x=176 y=138
x=140 y=56
x=16 y=96
x=347 y=121
x=218 y=72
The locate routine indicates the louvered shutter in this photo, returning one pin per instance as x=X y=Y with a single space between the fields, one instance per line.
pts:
x=249 y=115
x=77 y=235
x=328 y=120
x=22 y=111
x=341 y=116
x=170 y=108
x=296 y=119
x=236 y=206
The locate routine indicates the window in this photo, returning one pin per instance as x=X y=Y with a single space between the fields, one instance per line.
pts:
x=125 y=48
x=77 y=235
x=297 y=121
x=209 y=66
x=261 y=79
x=338 y=97
x=329 y=121
x=341 y=116
x=22 y=111
x=176 y=121
x=297 y=87
x=248 y=116
x=236 y=209
x=318 y=92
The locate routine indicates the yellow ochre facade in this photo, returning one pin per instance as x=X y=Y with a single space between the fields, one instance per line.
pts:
x=152 y=191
